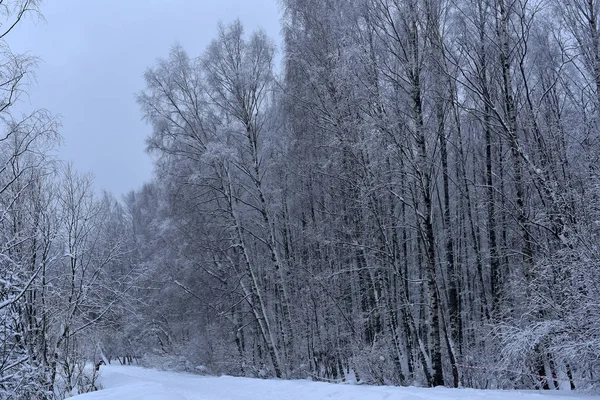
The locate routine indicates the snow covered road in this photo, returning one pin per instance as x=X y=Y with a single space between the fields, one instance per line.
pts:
x=135 y=383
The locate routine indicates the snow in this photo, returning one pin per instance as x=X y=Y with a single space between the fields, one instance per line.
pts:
x=135 y=383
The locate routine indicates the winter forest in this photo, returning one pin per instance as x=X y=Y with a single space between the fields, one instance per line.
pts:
x=411 y=198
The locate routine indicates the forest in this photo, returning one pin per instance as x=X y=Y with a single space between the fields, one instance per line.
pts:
x=411 y=198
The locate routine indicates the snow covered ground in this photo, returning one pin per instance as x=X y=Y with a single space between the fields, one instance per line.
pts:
x=135 y=383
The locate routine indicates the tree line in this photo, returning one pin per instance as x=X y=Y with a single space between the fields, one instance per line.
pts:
x=412 y=199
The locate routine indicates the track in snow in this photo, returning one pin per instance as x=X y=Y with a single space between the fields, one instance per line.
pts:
x=135 y=383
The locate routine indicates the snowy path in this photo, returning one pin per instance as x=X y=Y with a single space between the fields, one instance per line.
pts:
x=134 y=383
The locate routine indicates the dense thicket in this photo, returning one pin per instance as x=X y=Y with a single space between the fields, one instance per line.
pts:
x=414 y=200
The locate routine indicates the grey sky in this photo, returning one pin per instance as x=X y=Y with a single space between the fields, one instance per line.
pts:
x=94 y=54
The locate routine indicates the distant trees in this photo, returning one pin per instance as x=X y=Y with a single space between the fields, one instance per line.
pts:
x=86 y=282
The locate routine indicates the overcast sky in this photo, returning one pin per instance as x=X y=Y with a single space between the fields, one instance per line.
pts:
x=94 y=54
